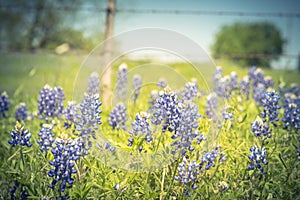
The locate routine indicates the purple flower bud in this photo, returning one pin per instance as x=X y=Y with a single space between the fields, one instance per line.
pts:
x=4 y=104
x=21 y=113
x=93 y=84
x=20 y=136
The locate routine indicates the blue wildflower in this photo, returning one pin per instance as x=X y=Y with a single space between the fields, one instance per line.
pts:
x=88 y=119
x=185 y=132
x=162 y=83
x=268 y=82
x=93 y=84
x=65 y=152
x=50 y=102
x=233 y=84
x=291 y=107
x=245 y=86
x=218 y=74
x=141 y=128
x=153 y=97
x=211 y=106
x=201 y=138
x=70 y=114
x=191 y=91
x=12 y=191
x=116 y=186
x=21 y=113
x=187 y=172
x=121 y=85
x=137 y=85
x=227 y=114
x=256 y=75
x=20 y=136
x=118 y=117
x=258 y=93
x=210 y=158
x=4 y=104
x=270 y=102
x=257 y=159
x=109 y=147
x=222 y=88
x=46 y=138
x=167 y=110
x=259 y=128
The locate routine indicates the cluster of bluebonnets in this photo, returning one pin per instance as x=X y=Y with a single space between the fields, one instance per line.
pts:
x=175 y=113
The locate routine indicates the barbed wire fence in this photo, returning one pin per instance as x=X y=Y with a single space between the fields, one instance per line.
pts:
x=289 y=23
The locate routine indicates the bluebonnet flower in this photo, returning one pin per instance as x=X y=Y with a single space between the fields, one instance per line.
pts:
x=258 y=93
x=257 y=159
x=109 y=147
x=294 y=89
x=4 y=104
x=20 y=136
x=245 y=86
x=211 y=106
x=259 y=128
x=70 y=114
x=227 y=114
x=218 y=74
x=21 y=113
x=141 y=128
x=167 y=110
x=121 y=85
x=65 y=152
x=222 y=88
x=209 y=159
x=88 y=119
x=268 y=82
x=136 y=84
x=12 y=191
x=200 y=138
x=162 y=83
x=118 y=117
x=130 y=140
x=291 y=112
x=153 y=97
x=46 y=138
x=185 y=132
x=256 y=75
x=93 y=84
x=187 y=173
x=233 y=84
x=283 y=89
x=50 y=103
x=191 y=90
x=270 y=102
x=116 y=186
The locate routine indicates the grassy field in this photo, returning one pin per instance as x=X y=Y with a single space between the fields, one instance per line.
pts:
x=24 y=75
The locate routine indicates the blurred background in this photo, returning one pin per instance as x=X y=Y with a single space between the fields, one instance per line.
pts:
x=263 y=33
x=46 y=41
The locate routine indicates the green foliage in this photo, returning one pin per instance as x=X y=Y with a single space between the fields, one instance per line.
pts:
x=40 y=24
x=241 y=40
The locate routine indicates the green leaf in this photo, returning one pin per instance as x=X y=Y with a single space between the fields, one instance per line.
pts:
x=282 y=161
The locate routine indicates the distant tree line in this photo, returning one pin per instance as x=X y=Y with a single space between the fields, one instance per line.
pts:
x=247 y=44
x=39 y=24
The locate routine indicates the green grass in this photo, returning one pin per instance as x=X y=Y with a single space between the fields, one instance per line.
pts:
x=24 y=75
